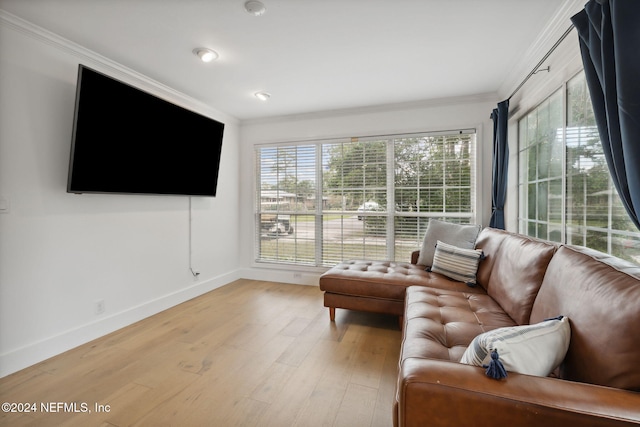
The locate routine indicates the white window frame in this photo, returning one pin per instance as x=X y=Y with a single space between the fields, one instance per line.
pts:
x=389 y=215
x=567 y=229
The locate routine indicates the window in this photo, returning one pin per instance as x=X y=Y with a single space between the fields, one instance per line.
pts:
x=360 y=198
x=566 y=193
x=541 y=171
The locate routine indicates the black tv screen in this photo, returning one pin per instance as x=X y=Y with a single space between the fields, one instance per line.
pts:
x=128 y=141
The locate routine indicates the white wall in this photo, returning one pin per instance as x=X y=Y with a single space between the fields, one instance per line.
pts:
x=59 y=252
x=435 y=115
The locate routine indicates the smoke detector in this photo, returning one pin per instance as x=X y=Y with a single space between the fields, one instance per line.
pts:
x=254 y=7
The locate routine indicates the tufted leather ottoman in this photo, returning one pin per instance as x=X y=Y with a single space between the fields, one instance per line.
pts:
x=378 y=286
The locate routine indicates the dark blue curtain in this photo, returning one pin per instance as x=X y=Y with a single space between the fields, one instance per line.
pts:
x=609 y=34
x=499 y=116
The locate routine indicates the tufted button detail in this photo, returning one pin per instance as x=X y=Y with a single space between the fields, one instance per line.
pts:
x=441 y=324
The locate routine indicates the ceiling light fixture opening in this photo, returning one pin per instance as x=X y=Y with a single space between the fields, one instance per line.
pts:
x=205 y=55
x=254 y=7
x=263 y=96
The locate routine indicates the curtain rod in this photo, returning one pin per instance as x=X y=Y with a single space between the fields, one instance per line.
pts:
x=537 y=67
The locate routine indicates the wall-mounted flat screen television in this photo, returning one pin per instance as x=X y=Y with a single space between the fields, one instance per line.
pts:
x=127 y=141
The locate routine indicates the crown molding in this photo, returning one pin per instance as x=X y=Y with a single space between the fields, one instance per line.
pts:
x=539 y=48
x=381 y=108
x=106 y=65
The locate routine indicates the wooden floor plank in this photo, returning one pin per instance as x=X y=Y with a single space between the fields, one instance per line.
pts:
x=383 y=412
x=272 y=381
x=357 y=406
x=251 y=353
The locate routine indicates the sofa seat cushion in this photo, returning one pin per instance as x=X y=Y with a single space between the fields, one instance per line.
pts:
x=440 y=324
x=383 y=279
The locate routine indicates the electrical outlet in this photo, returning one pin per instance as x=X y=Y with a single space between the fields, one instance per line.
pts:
x=297 y=275
x=99 y=307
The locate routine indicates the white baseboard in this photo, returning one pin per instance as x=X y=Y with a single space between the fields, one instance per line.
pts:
x=282 y=276
x=31 y=354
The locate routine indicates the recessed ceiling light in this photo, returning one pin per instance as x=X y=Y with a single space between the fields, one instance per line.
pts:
x=254 y=7
x=206 y=55
x=263 y=96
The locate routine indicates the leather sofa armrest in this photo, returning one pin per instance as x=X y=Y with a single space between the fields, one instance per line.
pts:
x=414 y=257
x=445 y=393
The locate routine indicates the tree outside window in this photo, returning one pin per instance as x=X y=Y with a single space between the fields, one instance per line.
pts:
x=377 y=195
x=571 y=201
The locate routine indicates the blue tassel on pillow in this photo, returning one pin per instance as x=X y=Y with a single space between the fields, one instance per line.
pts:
x=495 y=369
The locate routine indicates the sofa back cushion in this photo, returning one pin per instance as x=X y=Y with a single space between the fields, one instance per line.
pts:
x=489 y=240
x=517 y=271
x=601 y=296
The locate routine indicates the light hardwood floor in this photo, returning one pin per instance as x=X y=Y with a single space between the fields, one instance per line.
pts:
x=251 y=353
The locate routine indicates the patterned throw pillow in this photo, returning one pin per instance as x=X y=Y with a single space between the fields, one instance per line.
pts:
x=529 y=349
x=457 y=263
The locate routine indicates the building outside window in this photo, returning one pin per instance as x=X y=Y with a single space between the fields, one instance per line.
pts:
x=360 y=198
x=565 y=190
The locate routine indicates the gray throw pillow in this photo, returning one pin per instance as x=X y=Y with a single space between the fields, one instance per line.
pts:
x=461 y=235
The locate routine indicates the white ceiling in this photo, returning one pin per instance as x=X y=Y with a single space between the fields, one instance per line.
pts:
x=311 y=55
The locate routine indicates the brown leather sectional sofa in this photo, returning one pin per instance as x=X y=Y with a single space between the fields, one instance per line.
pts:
x=521 y=281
